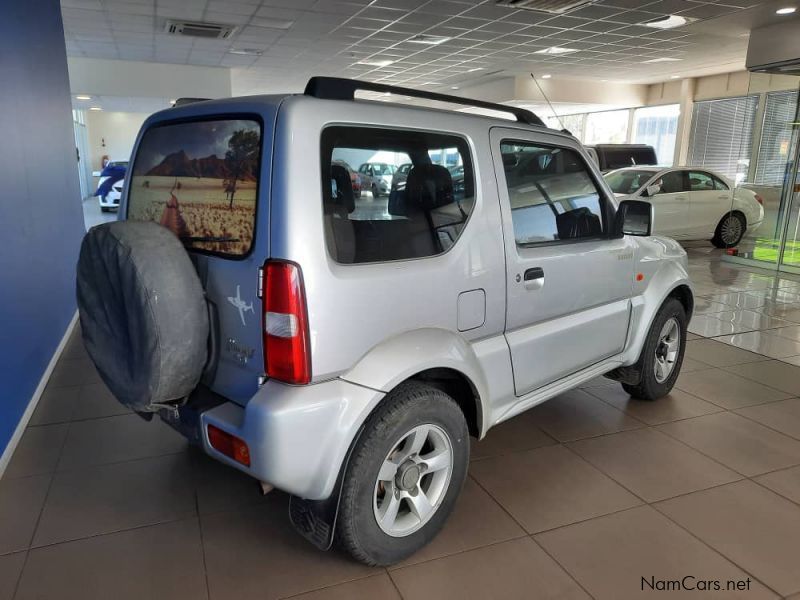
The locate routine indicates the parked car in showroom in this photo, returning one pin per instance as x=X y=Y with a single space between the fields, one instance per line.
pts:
x=377 y=177
x=691 y=203
x=618 y=156
x=109 y=187
x=348 y=360
x=355 y=178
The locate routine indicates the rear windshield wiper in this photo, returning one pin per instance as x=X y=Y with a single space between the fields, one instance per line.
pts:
x=207 y=239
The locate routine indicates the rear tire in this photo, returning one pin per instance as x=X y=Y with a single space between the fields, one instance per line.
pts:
x=404 y=475
x=375 y=193
x=730 y=230
x=662 y=354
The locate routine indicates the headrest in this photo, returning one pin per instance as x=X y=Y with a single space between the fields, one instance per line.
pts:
x=342 y=194
x=578 y=223
x=429 y=187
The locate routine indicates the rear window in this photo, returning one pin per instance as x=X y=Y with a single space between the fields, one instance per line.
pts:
x=617 y=158
x=417 y=211
x=200 y=179
x=627 y=181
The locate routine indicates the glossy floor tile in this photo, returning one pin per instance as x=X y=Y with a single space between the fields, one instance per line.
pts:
x=750 y=525
x=591 y=494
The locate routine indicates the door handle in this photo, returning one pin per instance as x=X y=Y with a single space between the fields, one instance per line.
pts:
x=534 y=273
x=534 y=278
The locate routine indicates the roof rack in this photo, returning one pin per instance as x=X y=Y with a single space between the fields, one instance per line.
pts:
x=338 y=88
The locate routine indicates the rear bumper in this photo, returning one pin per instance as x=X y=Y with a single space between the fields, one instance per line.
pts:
x=297 y=436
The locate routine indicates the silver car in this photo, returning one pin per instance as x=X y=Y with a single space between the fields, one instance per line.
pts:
x=347 y=358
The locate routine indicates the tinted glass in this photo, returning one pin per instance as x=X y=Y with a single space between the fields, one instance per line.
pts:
x=200 y=179
x=700 y=182
x=414 y=214
x=673 y=183
x=719 y=184
x=627 y=181
x=618 y=158
x=552 y=196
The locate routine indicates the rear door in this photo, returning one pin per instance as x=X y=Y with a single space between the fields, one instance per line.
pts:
x=568 y=282
x=204 y=178
x=707 y=203
x=671 y=205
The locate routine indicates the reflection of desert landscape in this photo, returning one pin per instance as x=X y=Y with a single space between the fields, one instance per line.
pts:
x=204 y=206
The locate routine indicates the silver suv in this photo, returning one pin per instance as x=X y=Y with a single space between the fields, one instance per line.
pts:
x=345 y=350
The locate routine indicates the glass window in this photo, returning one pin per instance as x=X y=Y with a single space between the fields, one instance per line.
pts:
x=775 y=149
x=200 y=179
x=552 y=196
x=719 y=184
x=627 y=181
x=607 y=127
x=572 y=123
x=700 y=182
x=722 y=135
x=673 y=182
x=416 y=211
x=656 y=126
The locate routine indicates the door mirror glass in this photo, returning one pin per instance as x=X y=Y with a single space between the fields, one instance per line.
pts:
x=634 y=217
x=652 y=190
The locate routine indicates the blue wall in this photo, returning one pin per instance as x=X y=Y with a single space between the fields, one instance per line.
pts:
x=41 y=220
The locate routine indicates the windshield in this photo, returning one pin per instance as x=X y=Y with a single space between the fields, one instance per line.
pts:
x=628 y=181
x=383 y=169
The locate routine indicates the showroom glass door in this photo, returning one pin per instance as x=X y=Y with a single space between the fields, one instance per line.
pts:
x=770 y=163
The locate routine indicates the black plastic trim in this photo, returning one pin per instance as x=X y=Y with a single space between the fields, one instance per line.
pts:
x=339 y=88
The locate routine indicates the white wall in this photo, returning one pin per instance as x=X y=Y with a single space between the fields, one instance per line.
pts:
x=112 y=133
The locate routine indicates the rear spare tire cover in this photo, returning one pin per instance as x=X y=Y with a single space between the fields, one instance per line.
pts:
x=143 y=312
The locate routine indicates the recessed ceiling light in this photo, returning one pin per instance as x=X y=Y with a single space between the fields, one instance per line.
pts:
x=455 y=87
x=785 y=11
x=375 y=63
x=546 y=76
x=83 y=97
x=172 y=101
x=95 y=108
x=246 y=51
x=556 y=50
x=674 y=76
x=430 y=40
x=661 y=59
x=669 y=22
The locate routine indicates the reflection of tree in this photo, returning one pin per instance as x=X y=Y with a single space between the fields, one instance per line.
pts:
x=240 y=160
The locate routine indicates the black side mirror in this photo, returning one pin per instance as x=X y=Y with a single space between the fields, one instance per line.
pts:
x=634 y=217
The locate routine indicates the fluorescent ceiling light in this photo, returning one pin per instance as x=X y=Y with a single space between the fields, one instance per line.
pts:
x=375 y=63
x=546 y=76
x=475 y=69
x=455 y=87
x=246 y=51
x=669 y=22
x=95 y=108
x=556 y=50
x=661 y=59
x=430 y=40
x=785 y=11
x=674 y=76
x=271 y=23
x=83 y=97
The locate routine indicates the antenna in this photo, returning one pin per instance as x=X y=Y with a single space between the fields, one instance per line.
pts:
x=553 y=110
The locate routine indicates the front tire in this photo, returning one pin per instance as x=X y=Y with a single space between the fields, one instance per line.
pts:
x=662 y=354
x=375 y=193
x=730 y=230
x=404 y=475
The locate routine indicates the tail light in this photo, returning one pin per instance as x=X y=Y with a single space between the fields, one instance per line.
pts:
x=287 y=352
x=229 y=445
x=760 y=200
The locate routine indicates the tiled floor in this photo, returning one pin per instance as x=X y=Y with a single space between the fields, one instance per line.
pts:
x=581 y=497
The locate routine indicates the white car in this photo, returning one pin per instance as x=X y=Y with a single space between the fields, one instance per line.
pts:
x=112 y=198
x=691 y=203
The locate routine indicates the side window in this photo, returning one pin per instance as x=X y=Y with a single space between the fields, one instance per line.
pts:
x=552 y=196
x=420 y=211
x=719 y=184
x=700 y=182
x=673 y=183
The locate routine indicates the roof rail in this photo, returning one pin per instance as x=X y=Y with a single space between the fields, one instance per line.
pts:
x=338 y=88
x=185 y=101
